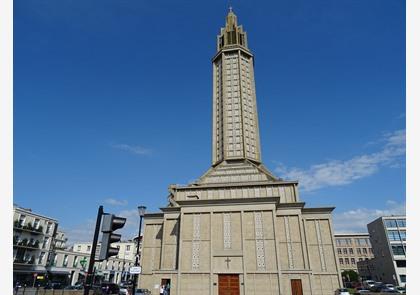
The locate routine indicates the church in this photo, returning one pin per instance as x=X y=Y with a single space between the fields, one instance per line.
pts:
x=238 y=229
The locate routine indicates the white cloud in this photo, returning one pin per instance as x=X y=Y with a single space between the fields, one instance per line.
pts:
x=80 y=233
x=84 y=232
x=135 y=149
x=338 y=172
x=115 y=202
x=356 y=220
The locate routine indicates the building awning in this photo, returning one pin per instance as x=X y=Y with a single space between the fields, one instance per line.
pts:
x=29 y=271
x=59 y=272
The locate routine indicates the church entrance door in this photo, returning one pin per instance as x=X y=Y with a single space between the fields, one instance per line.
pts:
x=228 y=284
x=296 y=287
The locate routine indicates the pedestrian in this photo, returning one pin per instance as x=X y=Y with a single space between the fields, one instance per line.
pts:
x=161 y=290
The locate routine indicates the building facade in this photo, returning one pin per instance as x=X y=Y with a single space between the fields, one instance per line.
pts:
x=352 y=248
x=238 y=229
x=41 y=255
x=33 y=238
x=117 y=268
x=388 y=238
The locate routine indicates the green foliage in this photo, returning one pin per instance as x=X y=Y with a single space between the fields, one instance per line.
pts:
x=350 y=276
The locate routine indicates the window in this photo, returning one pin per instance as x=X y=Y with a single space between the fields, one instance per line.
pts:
x=347 y=260
x=364 y=251
x=339 y=251
x=340 y=242
x=353 y=261
x=55 y=259
x=402 y=278
x=341 y=261
x=393 y=235
x=360 y=259
x=75 y=261
x=348 y=241
x=88 y=248
x=400 y=263
x=361 y=242
x=398 y=250
x=41 y=257
x=390 y=223
x=36 y=223
x=49 y=228
x=345 y=251
x=22 y=220
x=127 y=248
x=401 y=222
x=79 y=247
x=351 y=251
x=65 y=260
x=359 y=251
x=370 y=251
x=402 y=235
x=45 y=243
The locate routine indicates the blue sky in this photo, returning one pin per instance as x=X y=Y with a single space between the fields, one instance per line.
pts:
x=112 y=103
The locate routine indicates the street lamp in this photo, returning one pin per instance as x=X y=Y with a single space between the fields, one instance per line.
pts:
x=142 y=210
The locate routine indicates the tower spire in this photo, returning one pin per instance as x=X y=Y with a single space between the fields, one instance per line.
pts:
x=232 y=34
x=235 y=119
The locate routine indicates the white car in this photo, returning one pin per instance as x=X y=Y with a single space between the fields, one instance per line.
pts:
x=368 y=284
x=124 y=291
x=342 y=291
x=390 y=286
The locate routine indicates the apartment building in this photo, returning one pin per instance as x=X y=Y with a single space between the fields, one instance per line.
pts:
x=352 y=248
x=33 y=236
x=41 y=254
x=115 y=269
x=388 y=238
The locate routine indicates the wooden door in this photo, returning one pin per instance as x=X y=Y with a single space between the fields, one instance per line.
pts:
x=228 y=284
x=296 y=287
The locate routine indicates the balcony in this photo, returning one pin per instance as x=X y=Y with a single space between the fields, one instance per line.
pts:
x=24 y=260
x=32 y=245
x=27 y=227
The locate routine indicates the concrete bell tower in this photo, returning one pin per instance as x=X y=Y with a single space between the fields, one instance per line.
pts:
x=235 y=118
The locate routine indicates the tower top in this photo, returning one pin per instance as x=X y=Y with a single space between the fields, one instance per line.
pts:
x=232 y=34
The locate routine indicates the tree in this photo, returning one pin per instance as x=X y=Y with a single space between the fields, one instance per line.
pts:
x=350 y=276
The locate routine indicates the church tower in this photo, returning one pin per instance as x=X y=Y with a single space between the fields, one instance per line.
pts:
x=235 y=118
x=238 y=229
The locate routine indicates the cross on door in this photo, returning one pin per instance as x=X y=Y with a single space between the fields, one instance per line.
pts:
x=227 y=261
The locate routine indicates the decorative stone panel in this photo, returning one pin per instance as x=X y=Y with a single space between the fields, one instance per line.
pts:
x=196 y=242
x=259 y=240
x=288 y=242
x=320 y=245
x=227 y=236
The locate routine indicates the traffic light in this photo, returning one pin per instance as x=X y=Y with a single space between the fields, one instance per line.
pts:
x=110 y=223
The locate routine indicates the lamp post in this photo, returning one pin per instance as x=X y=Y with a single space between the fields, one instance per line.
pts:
x=142 y=210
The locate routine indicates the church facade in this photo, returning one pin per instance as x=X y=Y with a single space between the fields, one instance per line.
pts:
x=238 y=229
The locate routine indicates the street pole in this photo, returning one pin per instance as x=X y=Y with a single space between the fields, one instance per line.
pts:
x=141 y=210
x=92 y=254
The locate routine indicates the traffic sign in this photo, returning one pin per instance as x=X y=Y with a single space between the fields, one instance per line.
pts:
x=135 y=270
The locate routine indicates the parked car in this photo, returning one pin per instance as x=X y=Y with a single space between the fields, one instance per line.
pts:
x=360 y=291
x=400 y=290
x=54 y=285
x=390 y=286
x=124 y=291
x=342 y=291
x=368 y=284
x=142 y=292
x=70 y=287
x=377 y=287
x=110 y=288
